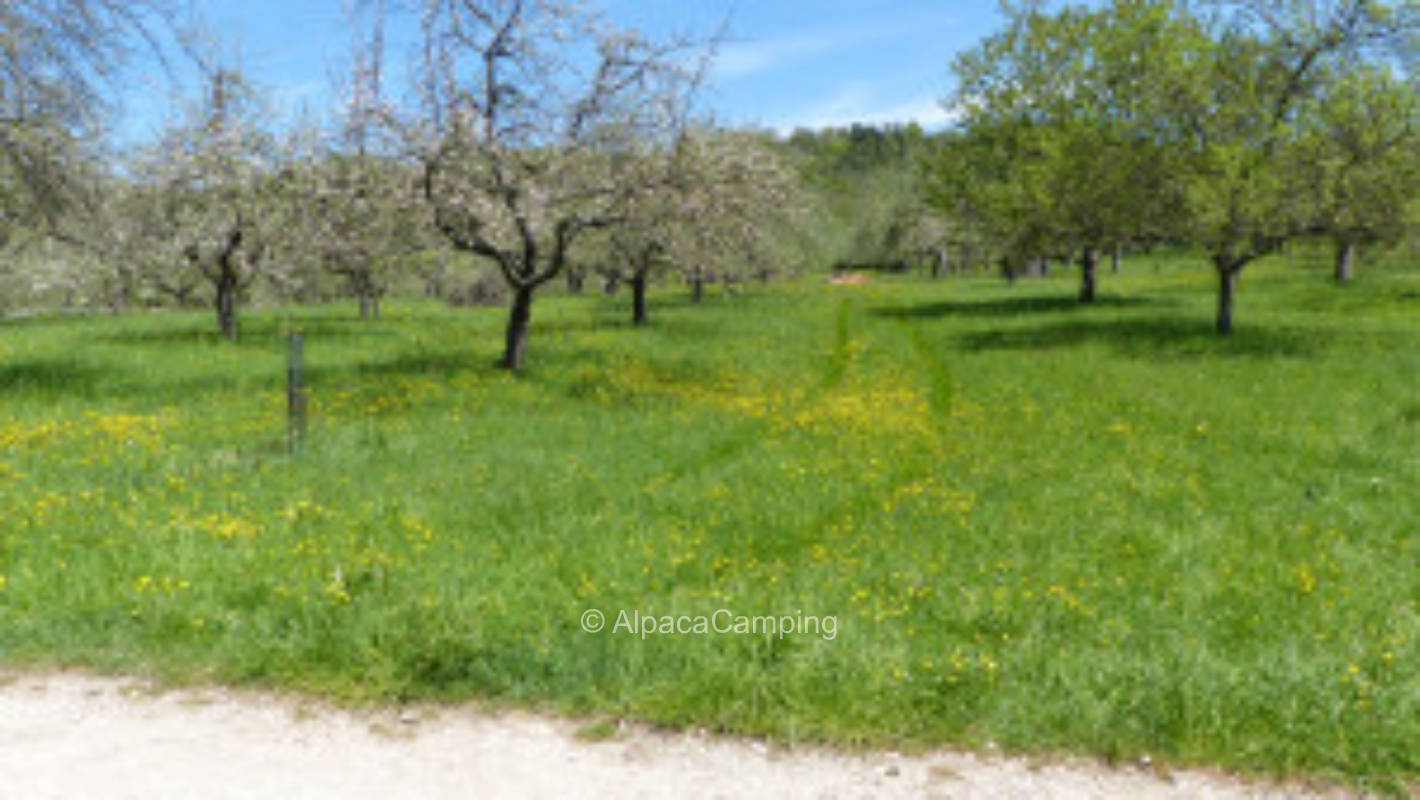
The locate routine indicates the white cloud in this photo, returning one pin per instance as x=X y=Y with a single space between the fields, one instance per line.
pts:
x=861 y=103
x=751 y=57
x=740 y=59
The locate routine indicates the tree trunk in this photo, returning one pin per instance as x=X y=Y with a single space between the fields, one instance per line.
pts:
x=1116 y=258
x=364 y=305
x=638 y=298
x=227 y=283
x=1227 y=286
x=575 y=280
x=613 y=282
x=1089 y=261
x=697 y=285
x=517 y=335
x=227 y=305
x=1345 y=259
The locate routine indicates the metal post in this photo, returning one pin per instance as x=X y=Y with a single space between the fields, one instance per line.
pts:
x=295 y=396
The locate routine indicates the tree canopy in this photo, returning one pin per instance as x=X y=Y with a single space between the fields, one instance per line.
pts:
x=1086 y=127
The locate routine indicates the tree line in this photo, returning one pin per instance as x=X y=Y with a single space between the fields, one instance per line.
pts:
x=548 y=144
x=1230 y=127
x=540 y=139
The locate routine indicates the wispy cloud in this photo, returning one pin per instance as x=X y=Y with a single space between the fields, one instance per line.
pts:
x=862 y=103
x=739 y=59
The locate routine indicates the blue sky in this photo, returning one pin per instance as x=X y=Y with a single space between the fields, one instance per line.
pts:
x=786 y=64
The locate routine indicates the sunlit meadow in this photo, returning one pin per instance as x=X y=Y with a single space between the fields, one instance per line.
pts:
x=1099 y=531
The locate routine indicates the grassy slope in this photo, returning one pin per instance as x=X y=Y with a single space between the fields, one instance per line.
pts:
x=1092 y=530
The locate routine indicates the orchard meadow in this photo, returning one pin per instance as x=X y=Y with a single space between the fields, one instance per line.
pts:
x=1058 y=528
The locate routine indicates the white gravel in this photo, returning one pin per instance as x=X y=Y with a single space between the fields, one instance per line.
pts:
x=72 y=735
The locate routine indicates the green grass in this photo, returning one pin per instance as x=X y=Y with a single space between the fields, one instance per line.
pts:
x=1059 y=529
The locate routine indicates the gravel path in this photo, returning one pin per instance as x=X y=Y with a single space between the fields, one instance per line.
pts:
x=71 y=735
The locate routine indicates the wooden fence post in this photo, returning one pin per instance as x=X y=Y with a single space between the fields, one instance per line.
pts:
x=295 y=395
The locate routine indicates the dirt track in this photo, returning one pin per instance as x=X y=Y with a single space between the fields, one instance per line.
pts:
x=70 y=735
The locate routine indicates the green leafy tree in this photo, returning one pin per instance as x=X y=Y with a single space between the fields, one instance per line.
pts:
x=1056 y=107
x=1238 y=100
x=1359 y=157
x=1091 y=127
x=993 y=181
x=960 y=175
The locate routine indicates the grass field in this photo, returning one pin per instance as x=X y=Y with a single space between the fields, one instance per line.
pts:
x=1099 y=531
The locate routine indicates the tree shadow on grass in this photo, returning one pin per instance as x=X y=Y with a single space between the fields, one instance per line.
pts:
x=622 y=378
x=55 y=379
x=259 y=335
x=604 y=320
x=50 y=378
x=1013 y=306
x=442 y=364
x=1152 y=338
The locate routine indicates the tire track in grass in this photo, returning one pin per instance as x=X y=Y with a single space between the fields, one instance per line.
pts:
x=941 y=391
x=862 y=501
x=732 y=446
x=838 y=361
